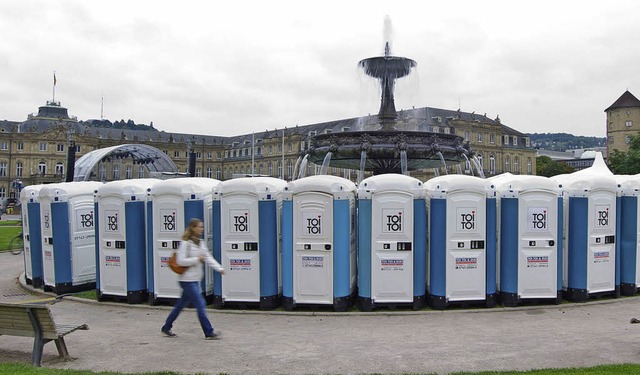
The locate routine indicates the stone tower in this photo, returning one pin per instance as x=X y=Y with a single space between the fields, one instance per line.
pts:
x=623 y=120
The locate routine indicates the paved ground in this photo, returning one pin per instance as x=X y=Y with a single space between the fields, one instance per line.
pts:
x=127 y=338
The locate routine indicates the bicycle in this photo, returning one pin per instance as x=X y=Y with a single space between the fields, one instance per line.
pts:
x=16 y=245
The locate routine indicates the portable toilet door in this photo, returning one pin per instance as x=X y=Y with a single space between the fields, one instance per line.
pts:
x=170 y=206
x=462 y=241
x=121 y=272
x=628 y=207
x=318 y=242
x=31 y=232
x=530 y=245
x=392 y=225
x=68 y=230
x=250 y=242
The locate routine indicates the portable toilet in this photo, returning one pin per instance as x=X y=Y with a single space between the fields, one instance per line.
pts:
x=67 y=221
x=628 y=233
x=171 y=205
x=249 y=242
x=32 y=235
x=319 y=242
x=591 y=265
x=462 y=241
x=530 y=239
x=121 y=237
x=392 y=242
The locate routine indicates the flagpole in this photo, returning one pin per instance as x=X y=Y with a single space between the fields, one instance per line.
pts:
x=54 y=86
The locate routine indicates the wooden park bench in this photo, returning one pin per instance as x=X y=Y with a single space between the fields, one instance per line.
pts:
x=35 y=320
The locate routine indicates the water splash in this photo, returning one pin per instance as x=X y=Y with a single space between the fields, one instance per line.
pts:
x=403 y=162
x=295 y=169
x=476 y=162
x=436 y=172
x=459 y=168
x=443 y=162
x=363 y=162
x=325 y=163
x=303 y=167
x=467 y=165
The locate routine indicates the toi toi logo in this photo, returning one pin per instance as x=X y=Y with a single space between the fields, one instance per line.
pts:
x=314 y=225
x=394 y=223
x=241 y=223
x=112 y=223
x=86 y=220
x=603 y=218
x=468 y=220
x=539 y=220
x=169 y=222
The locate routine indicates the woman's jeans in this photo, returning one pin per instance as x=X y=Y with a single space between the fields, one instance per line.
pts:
x=190 y=294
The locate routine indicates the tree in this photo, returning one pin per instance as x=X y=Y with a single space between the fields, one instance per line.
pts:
x=626 y=162
x=545 y=166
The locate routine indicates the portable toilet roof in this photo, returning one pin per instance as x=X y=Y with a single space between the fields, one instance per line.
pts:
x=135 y=188
x=596 y=177
x=391 y=181
x=526 y=183
x=458 y=182
x=336 y=186
x=187 y=187
x=262 y=186
x=60 y=192
x=30 y=193
x=628 y=185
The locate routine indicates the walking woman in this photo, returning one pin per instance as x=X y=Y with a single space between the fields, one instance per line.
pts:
x=191 y=253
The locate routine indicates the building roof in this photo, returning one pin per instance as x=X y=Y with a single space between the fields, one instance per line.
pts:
x=627 y=100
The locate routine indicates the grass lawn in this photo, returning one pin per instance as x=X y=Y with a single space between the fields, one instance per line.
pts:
x=8 y=230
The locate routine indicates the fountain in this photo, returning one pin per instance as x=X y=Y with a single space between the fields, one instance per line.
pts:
x=382 y=147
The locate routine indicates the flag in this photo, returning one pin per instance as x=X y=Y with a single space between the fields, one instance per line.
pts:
x=54 y=78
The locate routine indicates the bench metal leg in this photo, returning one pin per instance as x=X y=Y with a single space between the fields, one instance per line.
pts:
x=38 y=346
x=62 y=348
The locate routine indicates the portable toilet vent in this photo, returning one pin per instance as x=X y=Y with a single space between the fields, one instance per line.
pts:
x=530 y=239
x=67 y=222
x=392 y=242
x=462 y=241
x=171 y=204
x=318 y=242
x=32 y=235
x=121 y=240
x=249 y=243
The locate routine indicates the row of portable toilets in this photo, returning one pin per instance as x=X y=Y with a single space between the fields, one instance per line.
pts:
x=320 y=240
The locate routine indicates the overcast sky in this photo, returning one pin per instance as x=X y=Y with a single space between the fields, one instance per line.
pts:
x=233 y=67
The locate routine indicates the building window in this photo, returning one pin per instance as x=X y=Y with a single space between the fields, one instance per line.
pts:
x=492 y=138
x=19 y=169
x=218 y=173
x=42 y=167
x=209 y=155
x=507 y=164
x=628 y=123
x=290 y=169
x=627 y=139
x=516 y=165
x=198 y=172
x=43 y=146
x=270 y=168
x=209 y=172
x=198 y=155
x=529 y=168
x=176 y=154
x=3 y=192
x=116 y=172
x=492 y=164
x=59 y=169
x=479 y=137
x=260 y=169
x=480 y=162
x=280 y=172
x=515 y=141
x=4 y=146
x=20 y=146
x=610 y=139
x=77 y=148
x=129 y=172
x=141 y=171
x=466 y=136
x=3 y=169
x=60 y=147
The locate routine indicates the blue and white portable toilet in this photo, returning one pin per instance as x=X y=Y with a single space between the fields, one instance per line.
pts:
x=462 y=241
x=392 y=242
x=319 y=242
x=590 y=261
x=170 y=206
x=121 y=238
x=249 y=242
x=32 y=235
x=67 y=222
x=530 y=239
x=628 y=207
